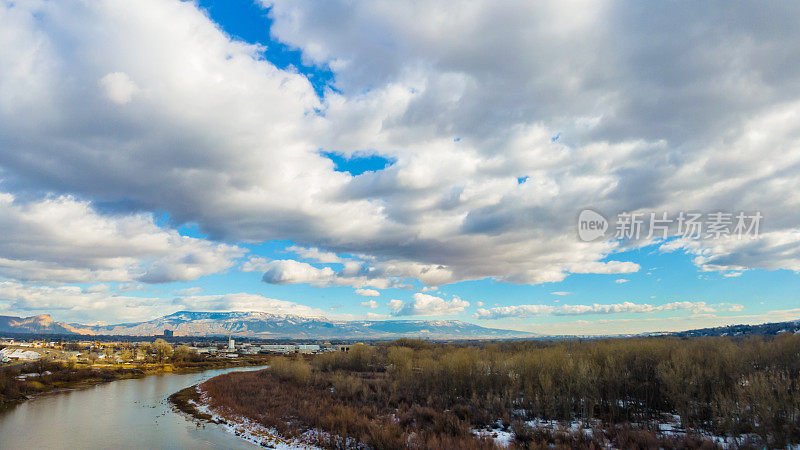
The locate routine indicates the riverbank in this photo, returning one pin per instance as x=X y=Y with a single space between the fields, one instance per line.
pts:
x=21 y=383
x=193 y=402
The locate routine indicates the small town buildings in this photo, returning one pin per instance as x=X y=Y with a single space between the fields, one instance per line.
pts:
x=290 y=348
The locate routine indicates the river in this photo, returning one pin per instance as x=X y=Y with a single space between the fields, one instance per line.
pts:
x=121 y=414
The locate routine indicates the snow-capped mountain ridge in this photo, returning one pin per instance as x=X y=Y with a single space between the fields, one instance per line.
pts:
x=267 y=325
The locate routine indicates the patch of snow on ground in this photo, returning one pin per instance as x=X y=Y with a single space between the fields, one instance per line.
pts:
x=666 y=428
x=500 y=437
x=249 y=430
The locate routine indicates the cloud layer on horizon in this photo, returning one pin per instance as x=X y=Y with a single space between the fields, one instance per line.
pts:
x=525 y=311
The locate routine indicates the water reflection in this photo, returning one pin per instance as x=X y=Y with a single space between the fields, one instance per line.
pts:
x=121 y=414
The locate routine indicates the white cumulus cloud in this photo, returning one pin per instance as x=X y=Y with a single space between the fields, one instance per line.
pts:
x=428 y=305
x=62 y=239
x=370 y=304
x=367 y=292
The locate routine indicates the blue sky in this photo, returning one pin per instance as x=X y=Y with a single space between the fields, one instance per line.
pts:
x=365 y=162
x=247 y=21
x=664 y=277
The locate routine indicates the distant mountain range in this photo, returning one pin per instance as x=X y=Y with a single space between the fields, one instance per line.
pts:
x=263 y=325
x=273 y=326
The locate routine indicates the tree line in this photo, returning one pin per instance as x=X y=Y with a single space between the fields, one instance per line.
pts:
x=718 y=385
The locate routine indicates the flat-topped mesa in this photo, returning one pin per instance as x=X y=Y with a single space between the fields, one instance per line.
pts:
x=43 y=320
x=42 y=323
